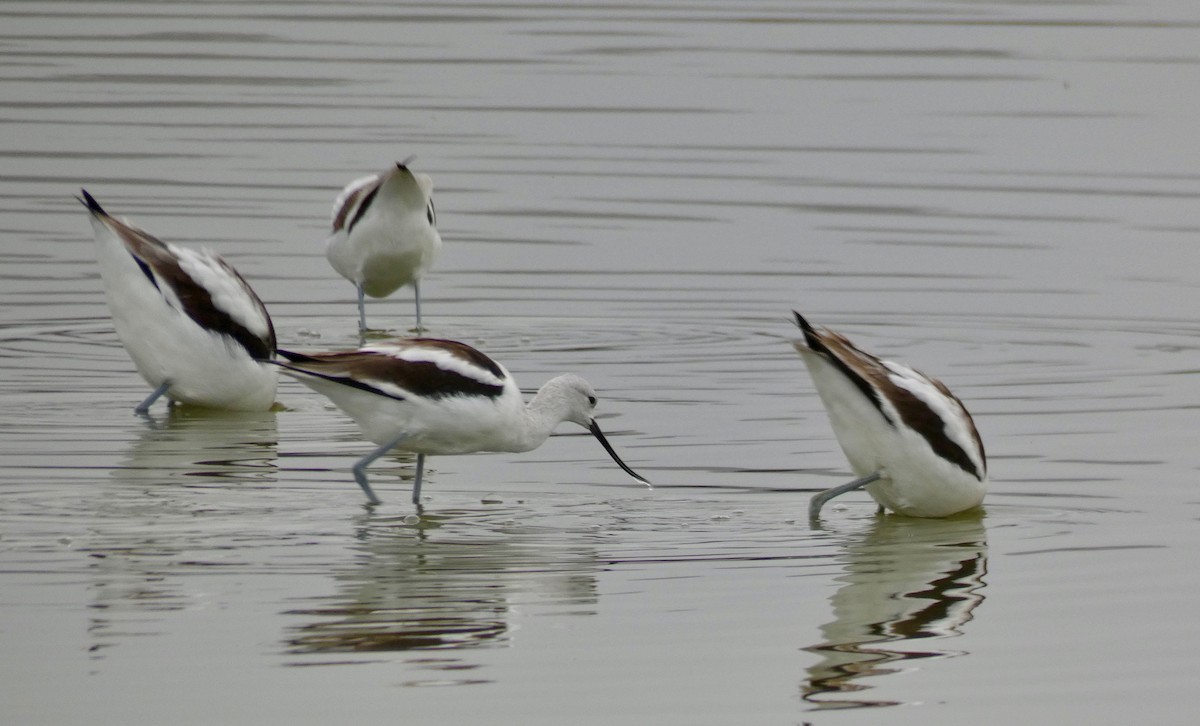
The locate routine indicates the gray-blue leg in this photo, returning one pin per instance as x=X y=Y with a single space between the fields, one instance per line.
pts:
x=814 y=506
x=417 y=481
x=144 y=406
x=417 y=294
x=362 y=313
x=360 y=467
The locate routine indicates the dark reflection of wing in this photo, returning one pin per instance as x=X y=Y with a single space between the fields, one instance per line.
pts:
x=908 y=582
x=448 y=582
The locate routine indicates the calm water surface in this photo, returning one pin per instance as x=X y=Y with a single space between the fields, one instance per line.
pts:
x=1001 y=193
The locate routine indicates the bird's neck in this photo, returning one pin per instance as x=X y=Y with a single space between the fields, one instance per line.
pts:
x=537 y=421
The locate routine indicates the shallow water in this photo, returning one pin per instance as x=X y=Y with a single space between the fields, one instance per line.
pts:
x=1002 y=194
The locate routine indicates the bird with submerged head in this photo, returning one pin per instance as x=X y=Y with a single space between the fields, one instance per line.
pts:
x=909 y=439
x=195 y=330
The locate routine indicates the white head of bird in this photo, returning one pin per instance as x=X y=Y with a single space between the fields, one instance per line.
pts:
x=384 y=234
x=431 y=396
x=193 y=327
x=910 y=441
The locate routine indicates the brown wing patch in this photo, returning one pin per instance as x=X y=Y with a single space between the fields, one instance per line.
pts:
x=463 y=352
x=198 y=305
x=918 y=416
x=421 y=378
x=366 y=193
x=970 y=427
x=870 y=376
x=161 y=266
x=862 y=369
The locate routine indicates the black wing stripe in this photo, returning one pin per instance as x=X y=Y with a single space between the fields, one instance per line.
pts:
x=343 y=380
x=813 y=340
x=146 y=271
x=368 y=369
x=198 y=305
x=918 y=416
x=362 y=208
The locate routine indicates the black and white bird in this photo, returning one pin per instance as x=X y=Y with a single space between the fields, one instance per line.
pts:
x=195 y=330
x=431 y=396
x=908 y=438
x=384 y=234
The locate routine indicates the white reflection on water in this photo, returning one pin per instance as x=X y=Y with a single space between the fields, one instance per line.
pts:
x=188 y=445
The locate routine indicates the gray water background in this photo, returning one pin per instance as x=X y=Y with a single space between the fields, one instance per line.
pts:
x=1003 y=194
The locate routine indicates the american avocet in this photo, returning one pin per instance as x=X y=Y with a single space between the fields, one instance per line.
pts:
x=431 y=396
x=906 y=435
x=384 y=234
x=193 y=327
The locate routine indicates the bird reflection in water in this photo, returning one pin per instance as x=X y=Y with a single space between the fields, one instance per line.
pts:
x=207 y=446
x=444 y=582
x=156 y=523
x=907 y=583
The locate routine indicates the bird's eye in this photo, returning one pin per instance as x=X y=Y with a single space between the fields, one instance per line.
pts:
x=430 y=214
x=591 y=400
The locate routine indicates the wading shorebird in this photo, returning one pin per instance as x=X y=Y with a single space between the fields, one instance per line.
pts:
x=430 y=396
x=384 y=235
x=195 y=330
x=908 y=438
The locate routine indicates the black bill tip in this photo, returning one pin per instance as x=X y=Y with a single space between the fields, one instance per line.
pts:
x=595 y=429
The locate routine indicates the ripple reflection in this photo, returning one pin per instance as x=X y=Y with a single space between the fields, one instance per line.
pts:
x=444 y=581
x=906 y=580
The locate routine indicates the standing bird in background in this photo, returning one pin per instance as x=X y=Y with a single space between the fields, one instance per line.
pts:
x=431 y=396
x=193 y=327
x=384 y=235
x=908 y=438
